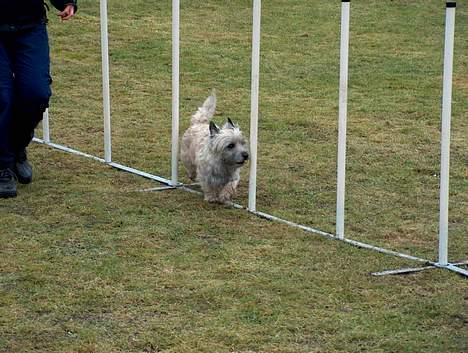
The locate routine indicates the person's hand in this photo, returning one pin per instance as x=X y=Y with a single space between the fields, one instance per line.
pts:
x=67 y=13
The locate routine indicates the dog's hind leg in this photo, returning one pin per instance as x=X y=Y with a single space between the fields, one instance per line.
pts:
x=191 y=172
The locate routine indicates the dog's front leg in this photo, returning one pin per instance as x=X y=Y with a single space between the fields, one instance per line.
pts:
x=228 y=191
x=211 y=194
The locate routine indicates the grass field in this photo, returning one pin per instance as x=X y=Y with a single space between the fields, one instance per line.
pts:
x=90 y=264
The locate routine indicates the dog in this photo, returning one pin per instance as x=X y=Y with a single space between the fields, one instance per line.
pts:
x=212 y=155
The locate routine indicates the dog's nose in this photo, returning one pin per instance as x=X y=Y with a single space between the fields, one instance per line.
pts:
x=245 y=155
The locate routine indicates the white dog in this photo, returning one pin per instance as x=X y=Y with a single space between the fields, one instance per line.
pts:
x=213 y=156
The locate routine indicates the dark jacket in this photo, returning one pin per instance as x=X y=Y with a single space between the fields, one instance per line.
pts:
x=22 y=14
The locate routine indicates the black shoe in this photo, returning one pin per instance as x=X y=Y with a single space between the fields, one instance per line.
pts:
x=23 y=169
x=7 y=183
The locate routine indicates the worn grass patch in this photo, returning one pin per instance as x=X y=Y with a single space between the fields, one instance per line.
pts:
x=90 y=264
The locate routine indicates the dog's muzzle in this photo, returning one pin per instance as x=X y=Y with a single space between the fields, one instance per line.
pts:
x=245 y=157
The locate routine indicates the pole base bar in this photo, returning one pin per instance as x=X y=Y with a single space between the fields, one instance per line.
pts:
x=430 y=264
x=451 y=267
x=141 y=173
x=68 y=149
x=160 y=188
x=170 y=187
x=102 y=160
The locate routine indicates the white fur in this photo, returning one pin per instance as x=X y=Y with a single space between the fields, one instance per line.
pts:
x=213 y=156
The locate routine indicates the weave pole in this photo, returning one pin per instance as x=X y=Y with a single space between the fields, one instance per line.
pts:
x=45 y=126
x=445 y=156
x=342 y=115
x=445 y=133
x=105 y=82
x=175 y=90
x=254 y=104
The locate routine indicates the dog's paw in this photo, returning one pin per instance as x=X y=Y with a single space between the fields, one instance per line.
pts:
x=211 y=198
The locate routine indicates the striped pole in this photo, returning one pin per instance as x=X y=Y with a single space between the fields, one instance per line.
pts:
x=445 y=133
x=45 y=127
x=175 y=90
x=105 y=83
x=342 y=116
x=254 y=104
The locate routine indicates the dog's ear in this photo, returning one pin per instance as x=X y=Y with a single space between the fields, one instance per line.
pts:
x=230 y=124
x=213 y=129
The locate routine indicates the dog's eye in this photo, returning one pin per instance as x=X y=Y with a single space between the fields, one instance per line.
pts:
x=230 y=146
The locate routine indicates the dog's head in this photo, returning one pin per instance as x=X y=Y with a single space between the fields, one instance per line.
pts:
x=229 y=143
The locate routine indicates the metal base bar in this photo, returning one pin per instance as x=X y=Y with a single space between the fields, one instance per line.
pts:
x=451 y=267
x=68 y=149
x=112 y=164
x=160 y=188
x=346 y=240
x=403 y=271
x=322 y=233
x=454 y=268
x=430 y=264
x=384 y=251
x=141 y=173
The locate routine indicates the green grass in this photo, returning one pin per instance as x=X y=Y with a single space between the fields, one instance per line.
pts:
x=89 y=264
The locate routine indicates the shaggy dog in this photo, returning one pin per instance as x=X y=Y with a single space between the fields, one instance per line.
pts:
x=213 y=156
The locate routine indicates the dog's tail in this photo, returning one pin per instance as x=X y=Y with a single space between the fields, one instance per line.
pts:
x=206 y=111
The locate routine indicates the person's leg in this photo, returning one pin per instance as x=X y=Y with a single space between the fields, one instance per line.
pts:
x=7 y=155
x=31 y=67
x=32 y=83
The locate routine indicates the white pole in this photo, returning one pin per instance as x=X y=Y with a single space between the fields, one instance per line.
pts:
x=254 y=104
x=445 y=133
x=175 y=89
x=45 y=127
x=105 y=82
x=342 y=113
